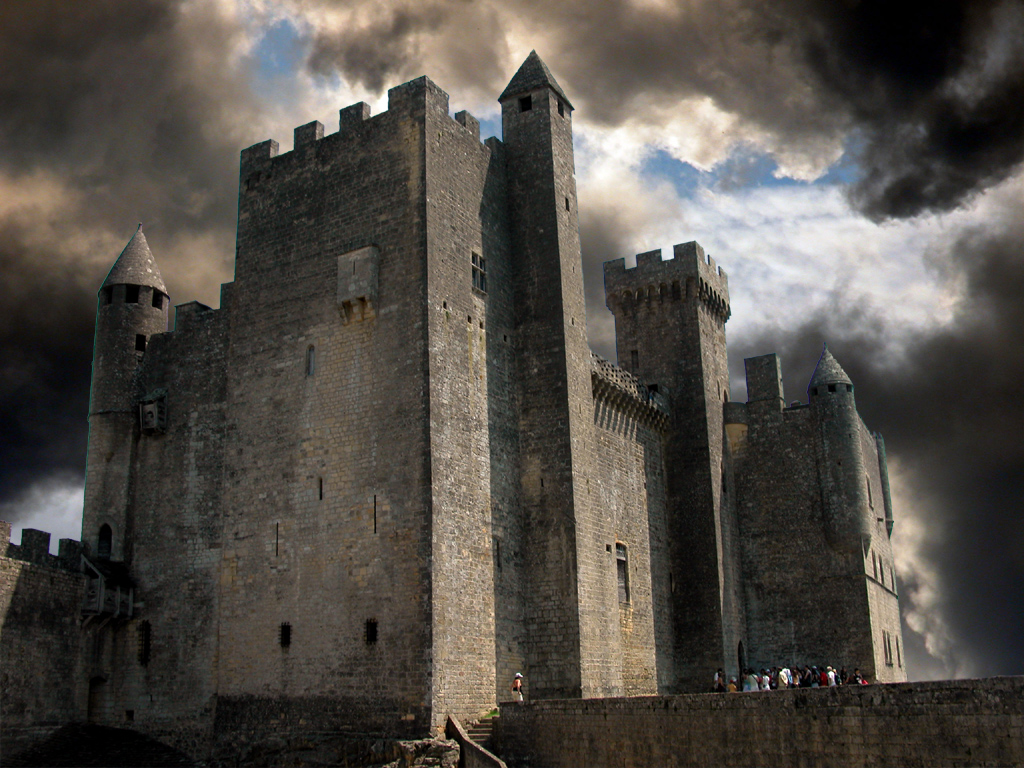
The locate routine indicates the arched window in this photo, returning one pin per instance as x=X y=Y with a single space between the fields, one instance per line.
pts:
x=106 y=538
x=310 y=360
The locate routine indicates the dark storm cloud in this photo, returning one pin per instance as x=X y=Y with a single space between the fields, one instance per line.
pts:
x=951 y=411
x=110 y=115
x=929 y=94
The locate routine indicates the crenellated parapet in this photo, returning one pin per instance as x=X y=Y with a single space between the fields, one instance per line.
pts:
x=414 y=97
x=689 y=274
x=627 y=392
x=35 y=548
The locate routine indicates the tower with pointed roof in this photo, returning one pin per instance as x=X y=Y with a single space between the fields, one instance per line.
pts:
x=132 y=306
x=565 y=643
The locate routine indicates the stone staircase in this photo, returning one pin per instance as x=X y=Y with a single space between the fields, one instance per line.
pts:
x=483 y=732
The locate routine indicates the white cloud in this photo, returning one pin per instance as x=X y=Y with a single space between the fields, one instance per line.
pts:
x=923 y=602
x=53 y=505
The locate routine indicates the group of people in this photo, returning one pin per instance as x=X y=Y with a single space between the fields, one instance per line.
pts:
x=784 y=677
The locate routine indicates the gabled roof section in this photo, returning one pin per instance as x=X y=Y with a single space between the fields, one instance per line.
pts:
x=533 y=74
x=828 y=371
x=136 y=265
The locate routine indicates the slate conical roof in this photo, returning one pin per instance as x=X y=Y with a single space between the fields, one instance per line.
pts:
x=828 y=371
x=136 y=265
x=533 y=74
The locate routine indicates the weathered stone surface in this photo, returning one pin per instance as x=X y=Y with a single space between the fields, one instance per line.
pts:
x=957 y=723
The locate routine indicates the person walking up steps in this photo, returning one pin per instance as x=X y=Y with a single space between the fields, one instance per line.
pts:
x=517 y=686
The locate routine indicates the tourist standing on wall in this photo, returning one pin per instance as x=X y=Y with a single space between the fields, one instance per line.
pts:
x=517 y=686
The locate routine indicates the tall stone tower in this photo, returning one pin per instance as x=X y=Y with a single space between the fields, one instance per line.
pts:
x=566 y=572
x=670 y=331
x=132 y=306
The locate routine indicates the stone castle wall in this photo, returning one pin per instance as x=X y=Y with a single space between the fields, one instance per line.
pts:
x=962 y=723
x=40 y=654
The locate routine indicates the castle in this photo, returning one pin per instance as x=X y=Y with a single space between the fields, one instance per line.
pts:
x=389 y=473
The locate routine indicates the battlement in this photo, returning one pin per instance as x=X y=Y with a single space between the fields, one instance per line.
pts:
x=626 y=391
x=35 y=548
x=415 y=96
x=690 y=273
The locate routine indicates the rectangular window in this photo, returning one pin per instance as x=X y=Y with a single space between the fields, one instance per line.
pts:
x=479 y=273
x=622 y=571
x=899 y=658
x=561 y=108
x=107 y=295
x=371 y=631
x=140 y=343
x=131 y=294
x=145 y=642
x=285 y=635
x=158 y=299
x=525 y=103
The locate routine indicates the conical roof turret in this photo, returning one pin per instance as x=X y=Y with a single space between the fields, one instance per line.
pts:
x=533 y=74
x=136 y=265
x=828 y=371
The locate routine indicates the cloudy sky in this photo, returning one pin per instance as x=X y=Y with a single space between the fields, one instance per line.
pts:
x=855 y=166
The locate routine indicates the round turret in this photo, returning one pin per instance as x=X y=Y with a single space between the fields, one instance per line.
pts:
x=847 y=509
x=132 y=306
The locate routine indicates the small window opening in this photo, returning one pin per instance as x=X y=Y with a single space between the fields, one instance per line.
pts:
x=567 y=203
x=561 y=108
x=831 y=387
x=129 y=715
x=867 y=481
x=526 y=103
x=158 y=299
x=497 y=552
x=285 y=634
x=671 y=583
x=310 y=360
x=480 y=273
x=375 y=513
x=622 y=570
x=105 y=541
x=899 y=658
x=131 y=294
x=444 y=305
x=371 y=631
x=676 y=291
x=277 y=539
x=107 y=295
x=320 y=487
x=145 y=642
x=140 y=342
x=634 y=360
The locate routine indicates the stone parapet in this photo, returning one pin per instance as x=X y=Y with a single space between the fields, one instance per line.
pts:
x=948 y=723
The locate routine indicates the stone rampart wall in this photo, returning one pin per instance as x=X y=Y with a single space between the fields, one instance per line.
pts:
x=950 y=723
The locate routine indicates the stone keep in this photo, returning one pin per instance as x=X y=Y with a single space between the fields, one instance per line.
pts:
x=388 y=473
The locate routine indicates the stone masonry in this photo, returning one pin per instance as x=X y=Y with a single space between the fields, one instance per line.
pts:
x=388 y=473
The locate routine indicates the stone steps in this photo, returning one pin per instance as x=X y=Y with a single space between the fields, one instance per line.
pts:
x=483 y=732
